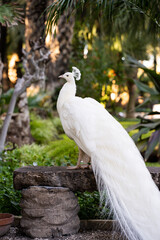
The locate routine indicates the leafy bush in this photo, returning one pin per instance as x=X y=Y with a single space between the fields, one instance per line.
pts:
x=42 y=130
x=9 y=198
x=63 y=151
x=90 y=206
x=58 y=125
x=40 y=100
x=148 y=135
x=29 y=155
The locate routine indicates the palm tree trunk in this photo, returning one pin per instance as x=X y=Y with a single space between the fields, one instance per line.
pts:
x=131 y=74
x=34 y=21
x=1 y=67
x=6 y=84
x=155 y=59
x=60 y=47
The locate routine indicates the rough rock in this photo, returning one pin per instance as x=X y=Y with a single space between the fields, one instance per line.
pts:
x=155 y=173
x=49 y=211
x=75 y=180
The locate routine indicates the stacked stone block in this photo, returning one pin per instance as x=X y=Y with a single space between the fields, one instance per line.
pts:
x=49 y=212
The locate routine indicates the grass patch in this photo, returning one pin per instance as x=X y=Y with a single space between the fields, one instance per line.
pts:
x=149 y=164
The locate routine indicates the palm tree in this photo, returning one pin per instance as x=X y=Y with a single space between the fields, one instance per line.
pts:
x=10 y=15
x=60 y=46
x=148 y=8
x=34 y=21
x=126 y=20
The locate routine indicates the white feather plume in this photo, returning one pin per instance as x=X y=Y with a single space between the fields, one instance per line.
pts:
x=76 y=73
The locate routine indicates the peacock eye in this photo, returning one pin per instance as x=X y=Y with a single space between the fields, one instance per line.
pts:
x=67 y=75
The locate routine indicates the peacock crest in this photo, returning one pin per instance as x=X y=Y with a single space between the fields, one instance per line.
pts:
x=76 y=73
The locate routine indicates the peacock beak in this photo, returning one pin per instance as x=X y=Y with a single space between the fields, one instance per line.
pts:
x=61 y=76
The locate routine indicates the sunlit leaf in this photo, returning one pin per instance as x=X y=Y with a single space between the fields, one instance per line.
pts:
x=141 y=144
x=136 y=136
x=151 y=126
x=155 y=77
x=153 y=141
x=147 y=100
x=143 y=87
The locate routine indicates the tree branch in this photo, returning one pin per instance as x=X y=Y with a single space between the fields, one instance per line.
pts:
x=24 y=82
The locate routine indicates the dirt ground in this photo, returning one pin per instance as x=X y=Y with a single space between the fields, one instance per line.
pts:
x=15 y=234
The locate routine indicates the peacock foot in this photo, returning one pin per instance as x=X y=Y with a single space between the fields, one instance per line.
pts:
x=85 y=166
x=82 y=166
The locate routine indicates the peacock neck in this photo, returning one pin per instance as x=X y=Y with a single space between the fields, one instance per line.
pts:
x=67 y=92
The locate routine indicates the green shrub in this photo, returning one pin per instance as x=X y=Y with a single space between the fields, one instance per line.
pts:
x=29 y=155
x=42 y=130
x=9 y=198
x=64 y=151
x=58 y=125
x=60 y=152
x=90 y=206
x=40 y=100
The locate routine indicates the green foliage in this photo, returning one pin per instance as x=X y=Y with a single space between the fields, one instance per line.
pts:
x=10 y=14
x=5 y=99
x=42 y=130
x=60 y=152
x=153 y=164
x=58 y=125
x=154 y=77
x=9 y=198
x=148 y=135
x=40 y=100
x=145 y=88
x=29 y=155
x=129 y=122
x=99 y=68
x=120 y=10
x=63 y=151
x=90 y=206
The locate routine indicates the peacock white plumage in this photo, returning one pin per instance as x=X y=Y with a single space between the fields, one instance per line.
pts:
x=117 y=164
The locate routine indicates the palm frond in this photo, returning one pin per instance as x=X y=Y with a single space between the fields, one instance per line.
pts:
x=11 y=14
x=119 y=9
x=56 y=9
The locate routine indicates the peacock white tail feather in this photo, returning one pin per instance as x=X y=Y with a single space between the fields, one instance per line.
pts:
x=134 y=202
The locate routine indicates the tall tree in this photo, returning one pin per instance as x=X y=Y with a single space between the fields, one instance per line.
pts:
x=34 y=21
x=10 y=15
x=125 y=20
x=60 y=46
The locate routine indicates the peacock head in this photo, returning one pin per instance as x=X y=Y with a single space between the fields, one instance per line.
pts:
x=71 y=76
